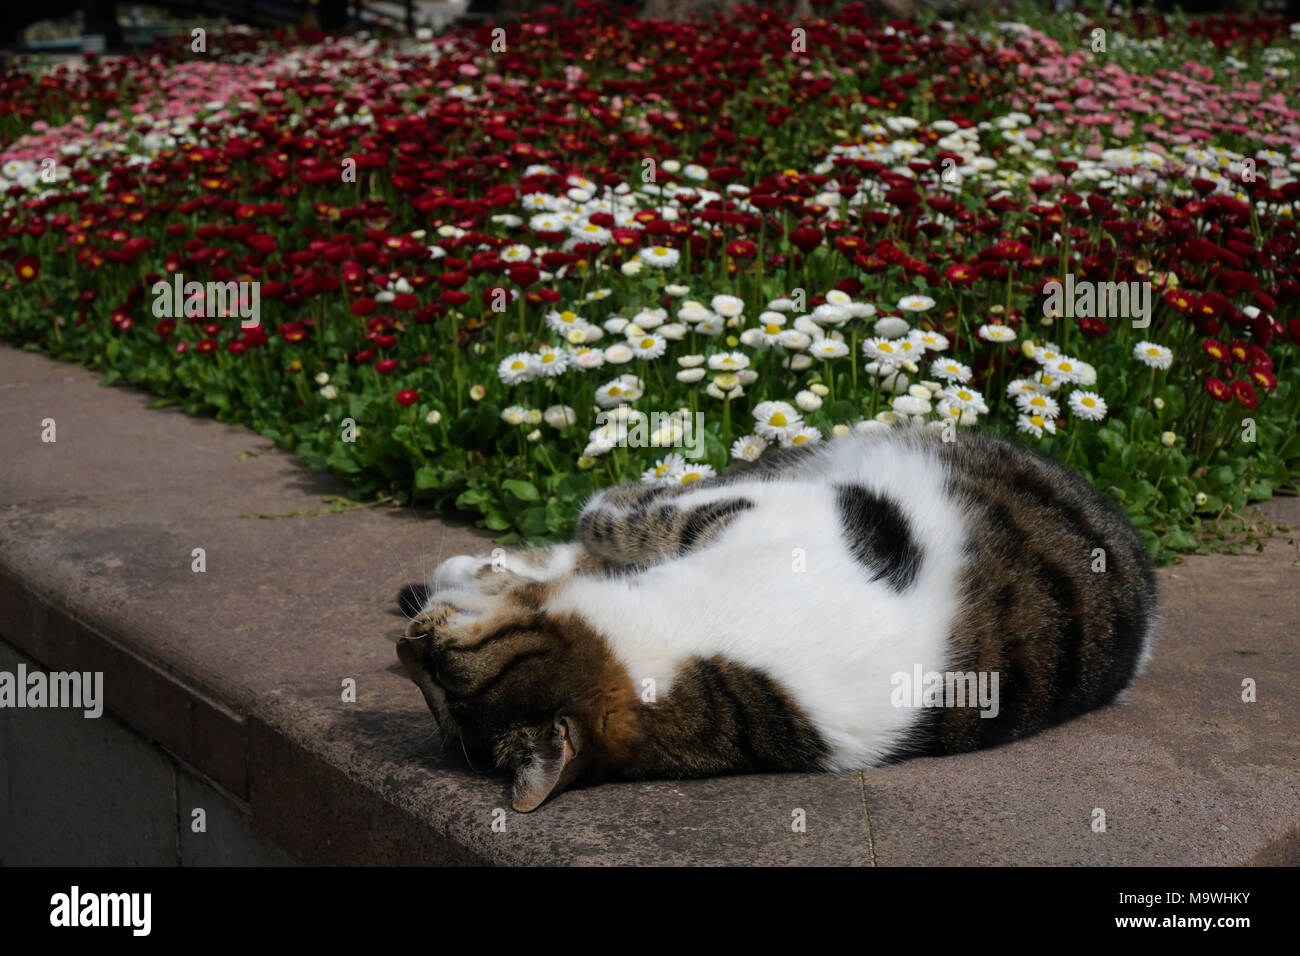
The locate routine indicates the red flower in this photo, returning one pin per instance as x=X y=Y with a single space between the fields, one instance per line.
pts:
x=364 y=306
x=523 y=274
x=742 y=249
x=806 y=238
x=1244 y=392
x=960 y=274
x=1263 y=377
x=1217 y=390
x=405 y=302
x=364 y=356
x=28 y=268
x=1215 y=350
x=406 y=396
x=384 y=366
x=165 y=328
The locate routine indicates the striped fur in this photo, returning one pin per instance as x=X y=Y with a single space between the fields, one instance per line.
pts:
x=764 y=620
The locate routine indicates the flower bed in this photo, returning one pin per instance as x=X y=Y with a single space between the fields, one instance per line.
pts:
x=501 y=279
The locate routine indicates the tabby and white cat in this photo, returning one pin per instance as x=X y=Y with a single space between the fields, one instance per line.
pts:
x=761 y=620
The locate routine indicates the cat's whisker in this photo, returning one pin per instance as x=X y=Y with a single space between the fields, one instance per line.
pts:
x=465 y=751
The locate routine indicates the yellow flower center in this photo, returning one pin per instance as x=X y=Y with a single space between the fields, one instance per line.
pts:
x=690 y=476
x=771 y=328
x=1091 y=403
x=1038 y=420
x=778 y=420
x=798 y=439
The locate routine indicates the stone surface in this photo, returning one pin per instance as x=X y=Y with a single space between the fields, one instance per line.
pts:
x=239 y=672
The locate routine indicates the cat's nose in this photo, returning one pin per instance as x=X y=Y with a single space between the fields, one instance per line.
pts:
x=406 y=654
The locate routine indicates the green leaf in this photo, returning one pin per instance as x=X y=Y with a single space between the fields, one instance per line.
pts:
x=523 y=490
x=1179 y=540
x=426 y=478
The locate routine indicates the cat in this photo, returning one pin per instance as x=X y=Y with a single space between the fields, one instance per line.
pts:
x=771 y=618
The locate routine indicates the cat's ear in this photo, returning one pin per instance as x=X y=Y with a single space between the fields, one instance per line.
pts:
x=555 y=764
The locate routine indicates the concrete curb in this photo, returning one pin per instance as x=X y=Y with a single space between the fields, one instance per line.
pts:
x=237 y=671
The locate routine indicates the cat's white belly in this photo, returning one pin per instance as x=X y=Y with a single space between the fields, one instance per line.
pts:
x=780 y=591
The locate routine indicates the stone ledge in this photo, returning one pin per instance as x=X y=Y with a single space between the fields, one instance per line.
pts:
x=237 y=671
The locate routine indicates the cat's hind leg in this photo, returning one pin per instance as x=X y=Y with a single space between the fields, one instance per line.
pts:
x=640 y=525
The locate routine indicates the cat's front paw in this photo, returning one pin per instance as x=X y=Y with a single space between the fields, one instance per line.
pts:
x=475 y=574
x=455 y=574
x=431 y=621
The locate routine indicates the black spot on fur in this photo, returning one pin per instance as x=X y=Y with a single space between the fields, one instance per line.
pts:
x=708 y=518
x=878 y=536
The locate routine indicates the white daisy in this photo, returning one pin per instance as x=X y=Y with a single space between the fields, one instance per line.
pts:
x=552 y=361
x=996 y=333
x=559 y=416
x=891 y=327
x=808 y=401
x=915 y=303
x=687 y=474
x=587 y=359
x=661 y=257
x=1035 y=425
x=775 y=419
x=950 y=370
x=619 y=354
x=1065 y=368
x=1089 y=406
x=827 y=349
x=748 y=448
x=727 y=306
x=1153 y=355
x=692 y=312
x=807 y=435
x=664 y=469
x=930 y=341
x=1043 y=405
x=517 y=368
x=728 y=361
x=911 y=405
x=964 y=399
x=1022 y=386
x=649 y=346
x=884 y=351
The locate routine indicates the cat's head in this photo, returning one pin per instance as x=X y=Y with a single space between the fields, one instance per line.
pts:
x=541 y=693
